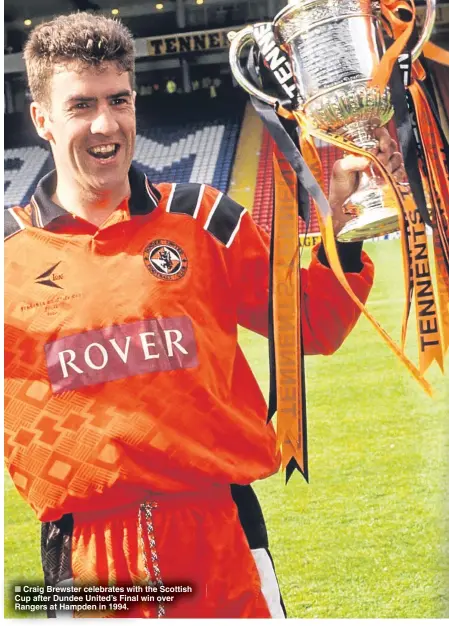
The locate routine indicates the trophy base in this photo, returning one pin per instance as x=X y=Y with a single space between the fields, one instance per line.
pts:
x=366 y=226
x=375 y=210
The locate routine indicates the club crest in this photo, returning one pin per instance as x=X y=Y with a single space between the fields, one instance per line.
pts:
x=165 y=259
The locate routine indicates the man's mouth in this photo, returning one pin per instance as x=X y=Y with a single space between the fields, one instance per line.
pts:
x=107 y=151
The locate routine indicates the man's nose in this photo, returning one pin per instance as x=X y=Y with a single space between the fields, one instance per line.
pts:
x=104 y=123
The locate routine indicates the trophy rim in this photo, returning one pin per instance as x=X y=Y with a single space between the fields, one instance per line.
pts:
x=290 y=8
x=306 y=4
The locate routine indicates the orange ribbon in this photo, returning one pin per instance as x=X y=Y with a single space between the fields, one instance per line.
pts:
x=435 y=53
x=290 y=425
x=432 y=321
x=401 y=32
x=430 y=343
x=310 y=154
x=438 y=190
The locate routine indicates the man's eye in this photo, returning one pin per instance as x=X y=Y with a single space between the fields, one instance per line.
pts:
x=118 y=101
x=81 y=105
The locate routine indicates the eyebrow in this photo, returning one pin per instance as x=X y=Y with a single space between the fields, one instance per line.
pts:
x=76 y=98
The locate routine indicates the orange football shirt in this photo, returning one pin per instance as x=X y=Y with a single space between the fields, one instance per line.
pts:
x=123 y=371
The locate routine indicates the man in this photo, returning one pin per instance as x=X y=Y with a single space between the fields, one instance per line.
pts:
x=130 y=407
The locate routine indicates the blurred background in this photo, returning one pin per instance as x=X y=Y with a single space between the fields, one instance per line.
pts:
x=194 y=122
x=368 y=536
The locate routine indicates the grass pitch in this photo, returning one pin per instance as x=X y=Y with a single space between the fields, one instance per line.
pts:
x=368 y=536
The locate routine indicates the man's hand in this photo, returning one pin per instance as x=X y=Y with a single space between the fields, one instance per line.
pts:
x=346 y=174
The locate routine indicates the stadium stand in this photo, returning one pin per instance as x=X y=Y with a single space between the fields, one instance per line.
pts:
x=246 y=162
x=263 y=197
x=181 y=138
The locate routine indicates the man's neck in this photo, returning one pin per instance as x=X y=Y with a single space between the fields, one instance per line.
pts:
x=90 y=206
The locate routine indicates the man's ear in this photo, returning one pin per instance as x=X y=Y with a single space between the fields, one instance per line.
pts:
x=40 y=118
x=134 y=96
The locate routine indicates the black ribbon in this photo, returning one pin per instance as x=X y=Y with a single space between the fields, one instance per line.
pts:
x=306 y=179
x=279 y=73
x=407 y=130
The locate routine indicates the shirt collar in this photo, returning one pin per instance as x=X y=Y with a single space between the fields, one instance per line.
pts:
x=144 y=198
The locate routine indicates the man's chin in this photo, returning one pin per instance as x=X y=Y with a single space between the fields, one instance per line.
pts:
x=108 y=180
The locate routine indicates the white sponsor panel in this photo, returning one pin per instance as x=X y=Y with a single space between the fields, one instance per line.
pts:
x=118 y=352
x=96 y=356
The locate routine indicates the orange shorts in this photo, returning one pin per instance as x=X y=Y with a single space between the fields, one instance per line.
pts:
x=180 y=540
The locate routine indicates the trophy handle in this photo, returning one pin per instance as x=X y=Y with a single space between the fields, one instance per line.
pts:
x=427 y=28
x=238 y=41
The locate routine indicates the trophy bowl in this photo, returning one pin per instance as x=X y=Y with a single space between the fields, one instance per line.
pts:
x=334 y=48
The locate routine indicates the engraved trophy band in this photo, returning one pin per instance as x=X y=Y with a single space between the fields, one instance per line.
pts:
x=334 y=47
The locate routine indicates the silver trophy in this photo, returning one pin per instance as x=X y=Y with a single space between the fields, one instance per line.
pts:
x=333 y=47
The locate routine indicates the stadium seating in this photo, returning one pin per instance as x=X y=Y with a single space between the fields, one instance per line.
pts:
x=23 y=168
x=181 y=139
x=263 y=198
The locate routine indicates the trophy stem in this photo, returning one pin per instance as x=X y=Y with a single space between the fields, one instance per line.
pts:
x=360 y=134
x=377 y=214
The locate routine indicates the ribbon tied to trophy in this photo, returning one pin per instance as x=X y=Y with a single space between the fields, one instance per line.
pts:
x=342 y=69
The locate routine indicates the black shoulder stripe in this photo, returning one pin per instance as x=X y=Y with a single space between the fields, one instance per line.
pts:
x=186 y=199
x=13 y=224
x=224 y=219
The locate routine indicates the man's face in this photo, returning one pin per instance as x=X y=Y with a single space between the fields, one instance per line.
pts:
x=91 y=125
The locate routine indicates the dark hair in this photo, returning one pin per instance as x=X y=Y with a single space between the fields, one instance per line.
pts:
x=81 y=38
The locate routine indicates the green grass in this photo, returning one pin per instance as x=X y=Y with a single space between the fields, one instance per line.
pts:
x=367 y=537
